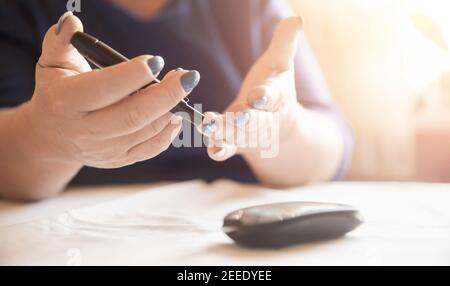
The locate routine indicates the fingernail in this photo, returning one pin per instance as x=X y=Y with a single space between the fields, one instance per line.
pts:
x=220 y=152
x=209 y=128
x=156 y=64
x=178 y=69
x=61 y=20
x=261 y=103
x=190 y=80
x=241 y=118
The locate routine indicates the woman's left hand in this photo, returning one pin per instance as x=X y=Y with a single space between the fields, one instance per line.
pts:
x=267 y=103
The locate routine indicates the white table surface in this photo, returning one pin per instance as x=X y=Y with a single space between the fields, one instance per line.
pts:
x=180 y=224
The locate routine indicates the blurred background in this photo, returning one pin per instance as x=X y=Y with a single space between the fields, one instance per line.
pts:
x=387 y=63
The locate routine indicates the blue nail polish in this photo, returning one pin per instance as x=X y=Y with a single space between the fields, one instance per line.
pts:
x=242 y=119
x=156 y=64
x=261 y=103
x=61 y=20
x=190 y=80
x=210 y=128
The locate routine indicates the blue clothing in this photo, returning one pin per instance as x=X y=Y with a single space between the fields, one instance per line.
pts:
x=219 y=38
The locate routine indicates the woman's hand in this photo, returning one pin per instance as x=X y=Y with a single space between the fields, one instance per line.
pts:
x=284 y=143
x=267 y=103
x=88 y=118
x=79 y=117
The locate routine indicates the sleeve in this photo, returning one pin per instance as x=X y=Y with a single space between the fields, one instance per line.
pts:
x=312 y=89
x=18 y=53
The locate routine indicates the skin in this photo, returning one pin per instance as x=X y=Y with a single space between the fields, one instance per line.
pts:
x=272 y=77
x=78 y=118
x=145 y=9
x=310 y=145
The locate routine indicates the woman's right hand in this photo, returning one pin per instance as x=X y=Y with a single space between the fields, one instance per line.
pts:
x=87 y=117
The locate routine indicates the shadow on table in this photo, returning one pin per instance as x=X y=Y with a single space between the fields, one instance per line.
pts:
x=236 y=251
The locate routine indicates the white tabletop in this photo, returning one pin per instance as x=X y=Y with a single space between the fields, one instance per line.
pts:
x=180 y=224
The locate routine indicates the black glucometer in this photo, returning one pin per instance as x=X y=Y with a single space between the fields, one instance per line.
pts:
x=285 y=224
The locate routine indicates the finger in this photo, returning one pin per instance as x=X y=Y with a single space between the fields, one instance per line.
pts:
x=283 y=46
x=267 y=96
x=210 y=124
x=154 y=146
x=100 y=88
x=135 y=112
x=232 y=124
x=223 y=152
x=144 y=134
x=244 y=118
x=112 y=153
x=57 y=51
x=234 y=129
x=214 y=126
x=252 y=132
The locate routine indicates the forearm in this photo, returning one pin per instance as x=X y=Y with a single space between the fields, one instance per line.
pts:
x=310 y=150
x=27 y=172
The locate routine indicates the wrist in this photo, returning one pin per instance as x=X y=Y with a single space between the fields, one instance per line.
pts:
x=34 y=139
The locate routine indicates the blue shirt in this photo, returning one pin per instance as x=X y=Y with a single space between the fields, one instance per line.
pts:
x=221 y=39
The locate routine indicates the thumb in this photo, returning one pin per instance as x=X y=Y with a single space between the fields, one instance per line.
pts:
x=283 y=47
x=57 y=51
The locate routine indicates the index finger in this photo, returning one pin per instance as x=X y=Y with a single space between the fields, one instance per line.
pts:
x=135 y=112
x=100 y=88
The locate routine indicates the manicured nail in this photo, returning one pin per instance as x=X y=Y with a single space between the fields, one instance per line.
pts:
x=261 y=103
x=209 y=128
x=190 y=80
x=220 y=153
x=156 y=64
x=61 y=20
x=242 y=118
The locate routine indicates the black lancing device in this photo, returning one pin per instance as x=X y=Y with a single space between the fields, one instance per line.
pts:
x=101 y=55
